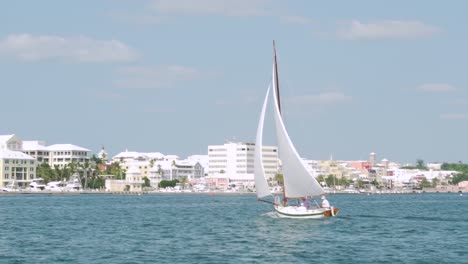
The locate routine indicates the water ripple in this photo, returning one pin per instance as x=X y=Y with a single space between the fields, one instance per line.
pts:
x=423 y=228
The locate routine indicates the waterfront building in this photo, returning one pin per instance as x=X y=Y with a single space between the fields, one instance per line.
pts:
x=57 y=154
x=238 y=158
x=178 y=169
x=131 y=156
x=37 y=150
x=157 y=166
x=63 y=154
x=14 y=164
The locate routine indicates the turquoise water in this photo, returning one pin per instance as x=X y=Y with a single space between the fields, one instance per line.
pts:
x=202 y=228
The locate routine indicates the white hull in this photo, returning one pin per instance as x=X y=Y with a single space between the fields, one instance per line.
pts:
x=300 y=212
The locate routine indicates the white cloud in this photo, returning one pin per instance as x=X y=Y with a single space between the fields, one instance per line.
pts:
x=212 y=7
x=436 y=87
x=322 y=98
x=388 y=29
x=454 y=116
x=158 y=77
x=81 y=49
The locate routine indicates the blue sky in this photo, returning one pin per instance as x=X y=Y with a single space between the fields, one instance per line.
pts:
x=176 y=76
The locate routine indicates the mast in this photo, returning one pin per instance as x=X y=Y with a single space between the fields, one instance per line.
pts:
x=285 y=199
x=276 y=76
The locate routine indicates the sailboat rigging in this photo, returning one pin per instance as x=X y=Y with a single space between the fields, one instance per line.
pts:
x=298 y=182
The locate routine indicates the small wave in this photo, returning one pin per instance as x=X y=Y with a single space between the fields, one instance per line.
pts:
x=271 y=214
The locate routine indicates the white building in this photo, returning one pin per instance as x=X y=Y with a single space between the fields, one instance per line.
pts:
x=156 y=166
x=238 y=158
x=63 y=154
x=37 y=150
x=58 y=154
x=130 y=156
x=178 y=169
x=14 y=164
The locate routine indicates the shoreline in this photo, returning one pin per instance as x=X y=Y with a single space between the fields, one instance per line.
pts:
x=213 y=193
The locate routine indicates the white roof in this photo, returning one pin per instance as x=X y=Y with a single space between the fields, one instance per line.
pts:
x=128 y=154
x=5 y=138
x=154 y=155
x=9 y=154
x=65 y=147
x=34 y=145
x=134 y=154
x=165 y=165
x=136 y=163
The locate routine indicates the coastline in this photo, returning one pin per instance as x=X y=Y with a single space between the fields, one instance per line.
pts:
x=217 y=192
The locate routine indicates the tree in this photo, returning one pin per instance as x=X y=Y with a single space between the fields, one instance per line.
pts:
x=166 y=183
x=183 y=181
x=420 y=164
x=330 y=180
x=459 y=177
x=320 y=179
x=425 y=183
x=115 y=169
x=147 y=182
x=279 y=178
x=45 y=172
x=435 y=182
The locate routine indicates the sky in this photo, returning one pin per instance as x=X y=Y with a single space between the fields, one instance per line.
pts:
x=174 y=76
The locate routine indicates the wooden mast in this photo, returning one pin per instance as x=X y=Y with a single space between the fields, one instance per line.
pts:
x=285 y=199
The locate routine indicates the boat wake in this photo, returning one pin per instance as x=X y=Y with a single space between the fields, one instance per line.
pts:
x=271 y=215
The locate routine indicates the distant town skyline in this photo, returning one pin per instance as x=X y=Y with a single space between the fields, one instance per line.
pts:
x=176 y=76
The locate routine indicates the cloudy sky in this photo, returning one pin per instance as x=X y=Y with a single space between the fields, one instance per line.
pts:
x=175 y=76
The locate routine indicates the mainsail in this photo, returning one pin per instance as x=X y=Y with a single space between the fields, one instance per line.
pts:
x=261 y=184
x=298 y=182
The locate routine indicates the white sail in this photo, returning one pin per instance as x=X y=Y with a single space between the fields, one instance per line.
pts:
x=261 y=184
x=298 y=182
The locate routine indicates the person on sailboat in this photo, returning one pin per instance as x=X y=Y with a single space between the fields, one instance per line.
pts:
x=306 y=203
x=325 y=203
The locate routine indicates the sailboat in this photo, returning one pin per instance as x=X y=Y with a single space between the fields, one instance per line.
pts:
x=299 y=183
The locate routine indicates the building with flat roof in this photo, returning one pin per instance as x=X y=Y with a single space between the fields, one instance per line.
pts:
x=238 y=158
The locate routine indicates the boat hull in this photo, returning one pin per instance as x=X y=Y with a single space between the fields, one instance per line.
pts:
x=300 y=212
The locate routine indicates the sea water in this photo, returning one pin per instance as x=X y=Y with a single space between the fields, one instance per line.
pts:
x=207 y=228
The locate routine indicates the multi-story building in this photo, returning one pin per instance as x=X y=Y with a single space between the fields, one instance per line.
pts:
x=58 y=154
x=14 y=164
x=63 y=154
x=37 y=150
x=235 y=158
x=157 y=166
x=130 y=156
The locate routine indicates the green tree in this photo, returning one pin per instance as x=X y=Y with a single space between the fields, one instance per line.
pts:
x=425 y=183
x=320 y=179
x=459 y=177
x=166 y=183
x=45 y=172
x=330 y=180
x=147 y=182
x=279 y=178
x=435 y=182
x=115 y=169
x=420 y=164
